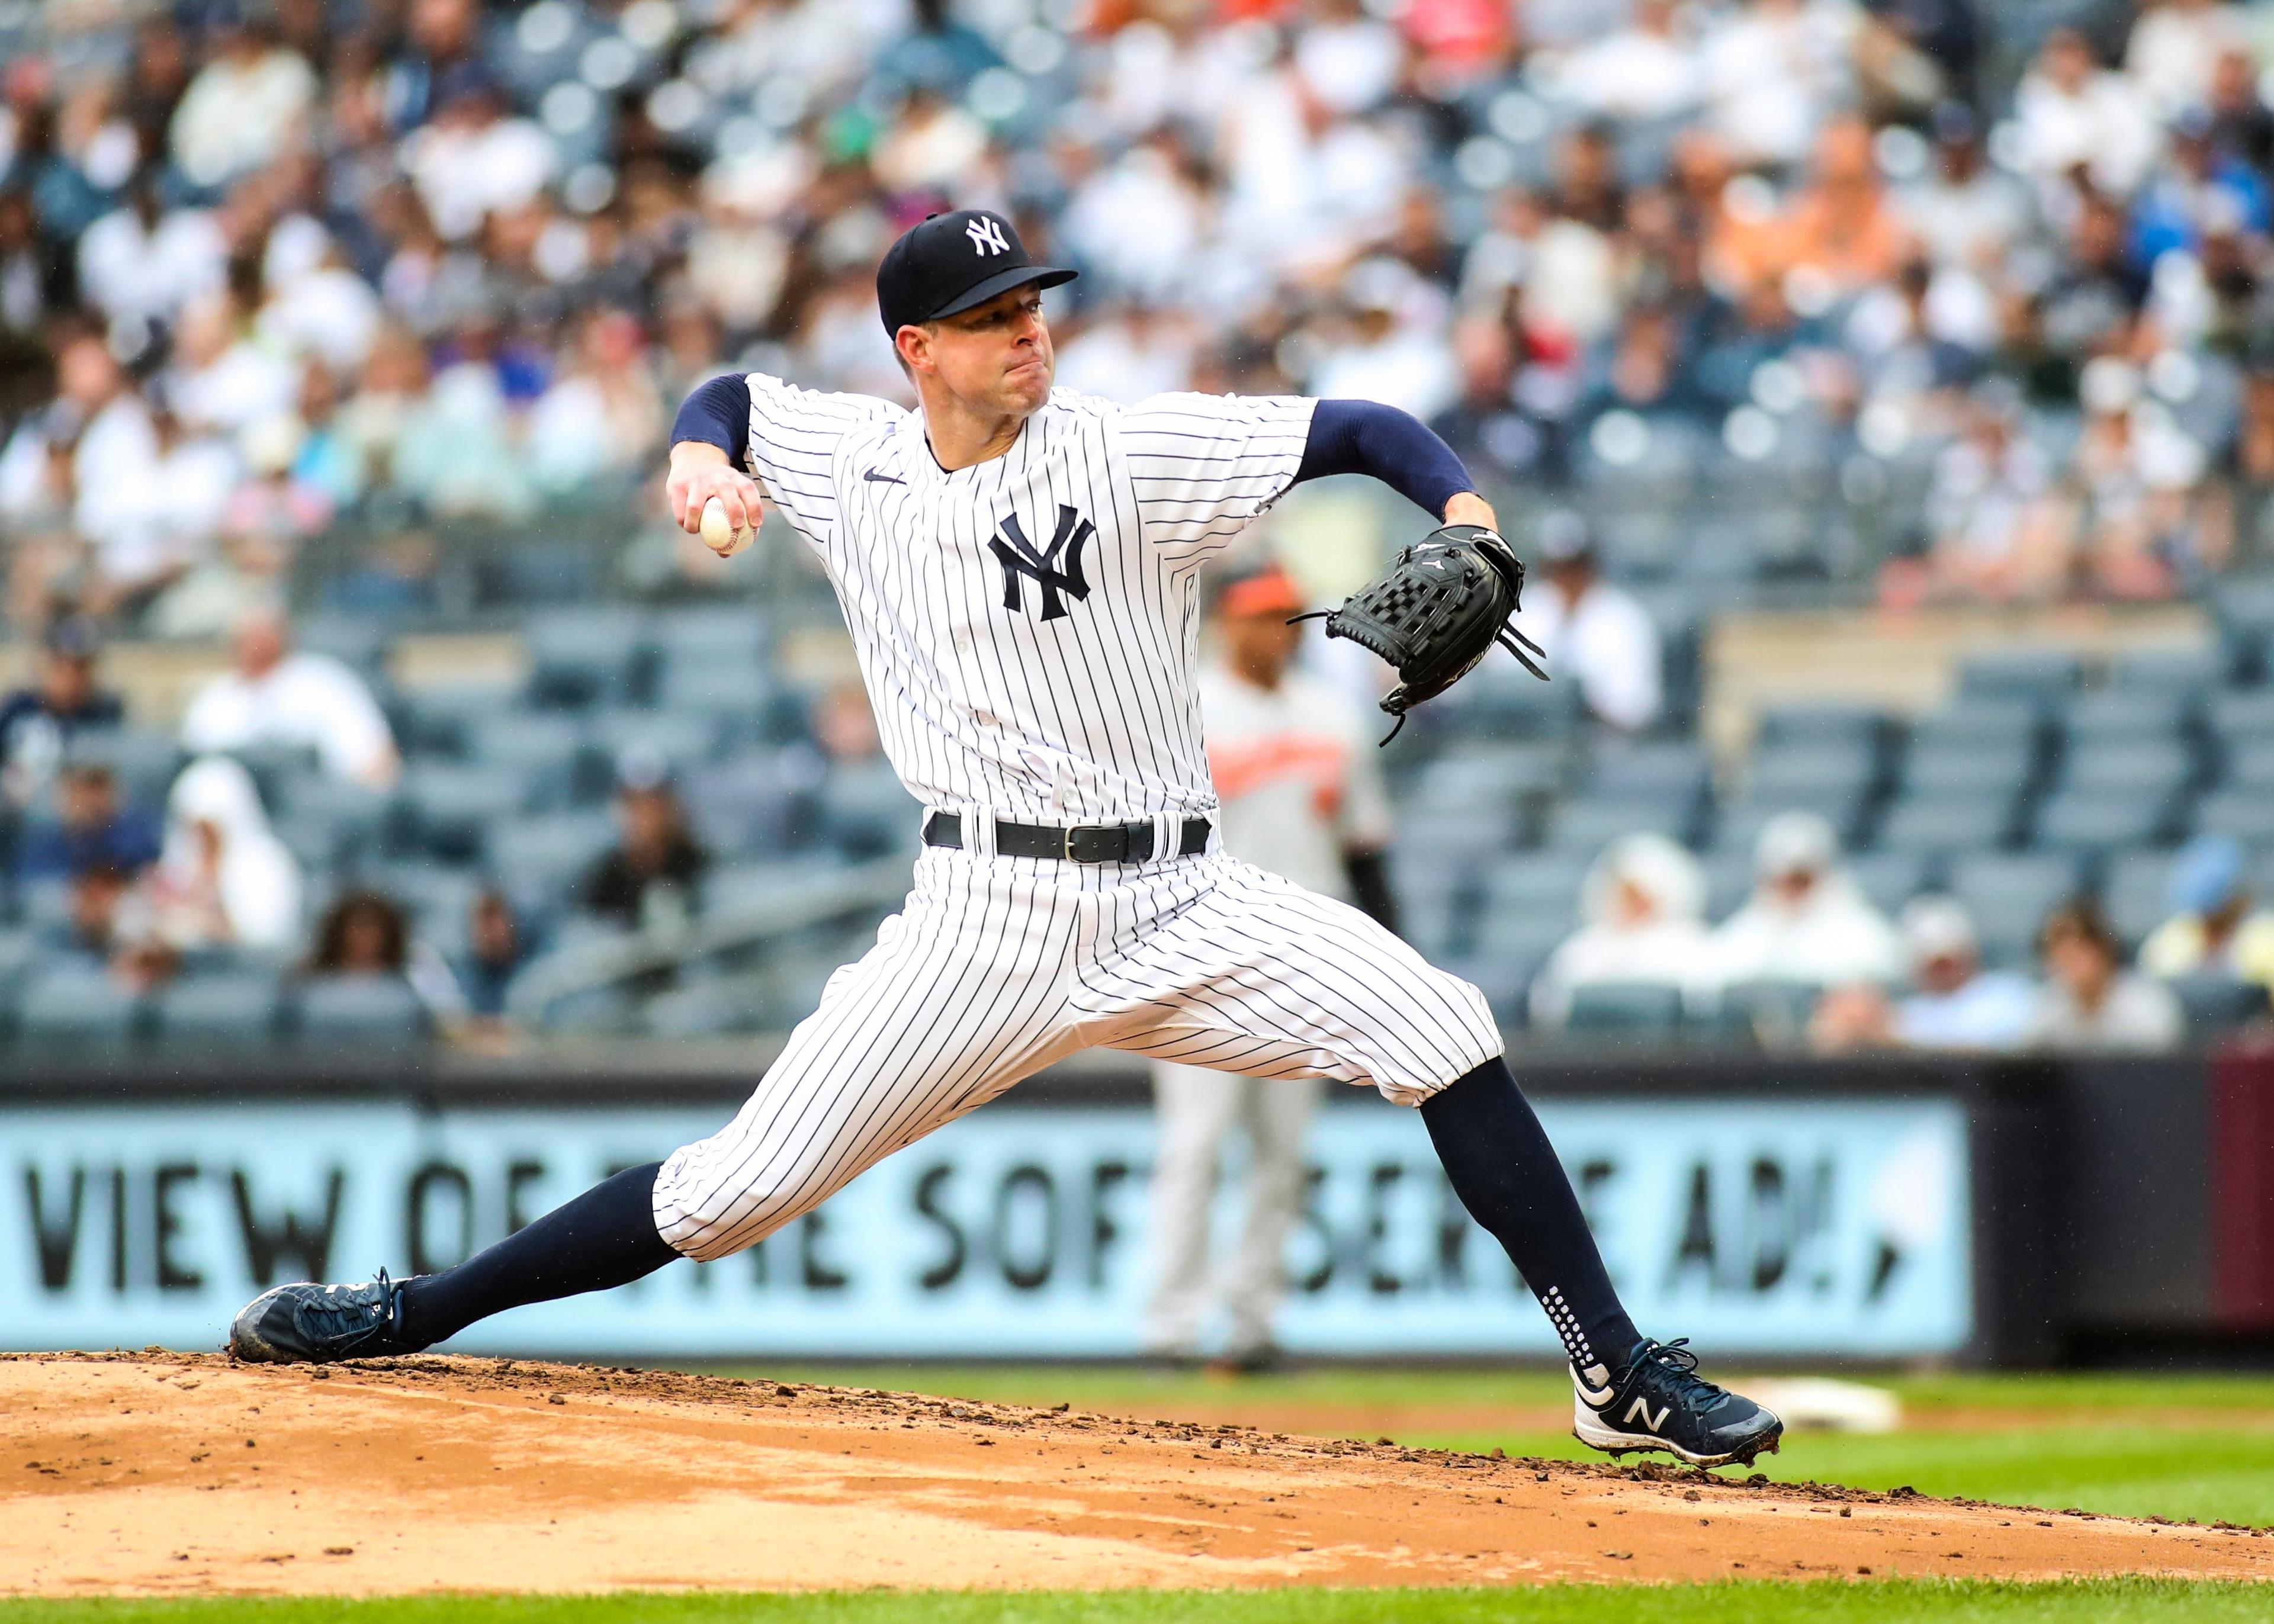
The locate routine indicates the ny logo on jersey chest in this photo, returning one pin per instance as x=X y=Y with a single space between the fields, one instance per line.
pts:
x=1055 y=570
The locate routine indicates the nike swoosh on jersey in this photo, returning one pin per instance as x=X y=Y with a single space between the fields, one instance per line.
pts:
x=884 y=478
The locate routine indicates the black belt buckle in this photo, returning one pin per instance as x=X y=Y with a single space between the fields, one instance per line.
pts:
x=1097 y=843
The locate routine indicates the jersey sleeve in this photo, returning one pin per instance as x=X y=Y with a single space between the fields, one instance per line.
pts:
x=1205 y=466
x=792 y=447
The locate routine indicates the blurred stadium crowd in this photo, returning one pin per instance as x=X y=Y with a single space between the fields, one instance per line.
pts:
x=1787 y=301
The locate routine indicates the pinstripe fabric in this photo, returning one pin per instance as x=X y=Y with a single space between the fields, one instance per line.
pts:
x=1066 y=694
x=1090 y=716
x=998 y=966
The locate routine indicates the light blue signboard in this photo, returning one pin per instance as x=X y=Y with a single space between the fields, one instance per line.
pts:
x=1794 y=1227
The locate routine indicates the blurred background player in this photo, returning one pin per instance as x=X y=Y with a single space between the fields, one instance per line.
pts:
x=1302 y=796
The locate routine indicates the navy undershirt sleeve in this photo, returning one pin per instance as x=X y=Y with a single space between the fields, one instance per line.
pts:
x=1397 y=447
x=717 y=414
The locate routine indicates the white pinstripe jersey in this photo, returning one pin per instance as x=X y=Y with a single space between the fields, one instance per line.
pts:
x=1029 y=626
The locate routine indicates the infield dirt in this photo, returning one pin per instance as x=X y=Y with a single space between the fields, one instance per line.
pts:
x=167 y=1473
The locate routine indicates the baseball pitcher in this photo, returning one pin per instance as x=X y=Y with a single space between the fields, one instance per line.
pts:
x=1018 y=567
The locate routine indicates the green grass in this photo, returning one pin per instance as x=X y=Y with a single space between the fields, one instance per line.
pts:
x=2136 y=1445
x=2118 y=1601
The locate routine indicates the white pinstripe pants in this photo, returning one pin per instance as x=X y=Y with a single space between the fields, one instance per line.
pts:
x=998 y=966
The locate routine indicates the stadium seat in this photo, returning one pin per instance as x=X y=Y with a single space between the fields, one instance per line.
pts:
x=585 y=656
x=1492 y=781
x=1856 y=726
x=2122 y=716
x=2186 y=675
x=358 y=642
x=2045 y=676
x=1501 y=701
x=2215 y=1003
x=1773 y=1014
x=730 y=695
x=75 y=1007
x=1848 y=768
x=547 y=754
x=1945 y=822
x=2144 y=767
x=2243 y=607
x=1736 y=829
x=447 y=809
x=1534 y=885
x=1890 y=879
x=731 y=635
x=1629 y=1010
x=2135 y=892
x=2009 y=895
x=1518 y=945
x=540 y=868
x=234 y=1010
x=2240 y=714
x=866 y=811
x=442 y=719
x=2096 y=819
x=2011 y=724
x=1678 y=769
x=330 y=823
x=343 y=1010
x=1455 y=838
x=1962 y=768
x=1585 y=824
x=2246 y=813
x=683 y=740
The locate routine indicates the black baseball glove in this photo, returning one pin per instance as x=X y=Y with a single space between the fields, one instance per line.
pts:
x=1446 y=600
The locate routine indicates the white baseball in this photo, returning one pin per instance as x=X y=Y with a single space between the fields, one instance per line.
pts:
x=720 y=536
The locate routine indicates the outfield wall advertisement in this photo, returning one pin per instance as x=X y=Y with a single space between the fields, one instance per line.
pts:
x=1824 y=1227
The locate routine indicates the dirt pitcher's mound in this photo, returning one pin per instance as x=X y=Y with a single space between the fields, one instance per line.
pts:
x=187 y=1473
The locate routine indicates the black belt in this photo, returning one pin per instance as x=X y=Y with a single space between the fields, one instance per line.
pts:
x=1091 y=843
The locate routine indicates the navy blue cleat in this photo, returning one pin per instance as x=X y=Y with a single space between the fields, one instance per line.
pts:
x=1663 y=1403
x=309 y=1324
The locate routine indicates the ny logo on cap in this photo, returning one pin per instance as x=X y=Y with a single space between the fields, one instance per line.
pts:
x=986 y=237
x=1019 y=558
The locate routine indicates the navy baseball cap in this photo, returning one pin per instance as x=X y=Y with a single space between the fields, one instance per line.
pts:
x=952 y=262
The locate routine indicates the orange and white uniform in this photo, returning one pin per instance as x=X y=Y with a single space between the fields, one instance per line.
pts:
x=1297 y=781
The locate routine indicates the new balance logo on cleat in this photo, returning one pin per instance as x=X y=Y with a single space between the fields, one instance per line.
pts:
x=1655 y=1423
x=1662 y=1403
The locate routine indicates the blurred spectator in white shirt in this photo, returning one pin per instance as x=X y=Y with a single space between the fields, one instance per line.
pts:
x=1774 y=68
x=1392 y=348
x=274 y=695
x=2073 y=113
x=2089 y=1000
x=602 y=418
x=1967 y=212
x=1956 y=1004
x=1592 y=631
x=224 y=376
x=223 y=878
x=1807 y=922
x=472 y=158
x=2175 y=45
x=1647 y=70
x=1130 y=354
x=1643 y=904
x=88 y=454
x=1348 y=60
x=143 y=262
x=244 y=106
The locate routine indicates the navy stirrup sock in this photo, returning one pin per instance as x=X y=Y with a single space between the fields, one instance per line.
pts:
x=604 y=1238
x=1507 y=1175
